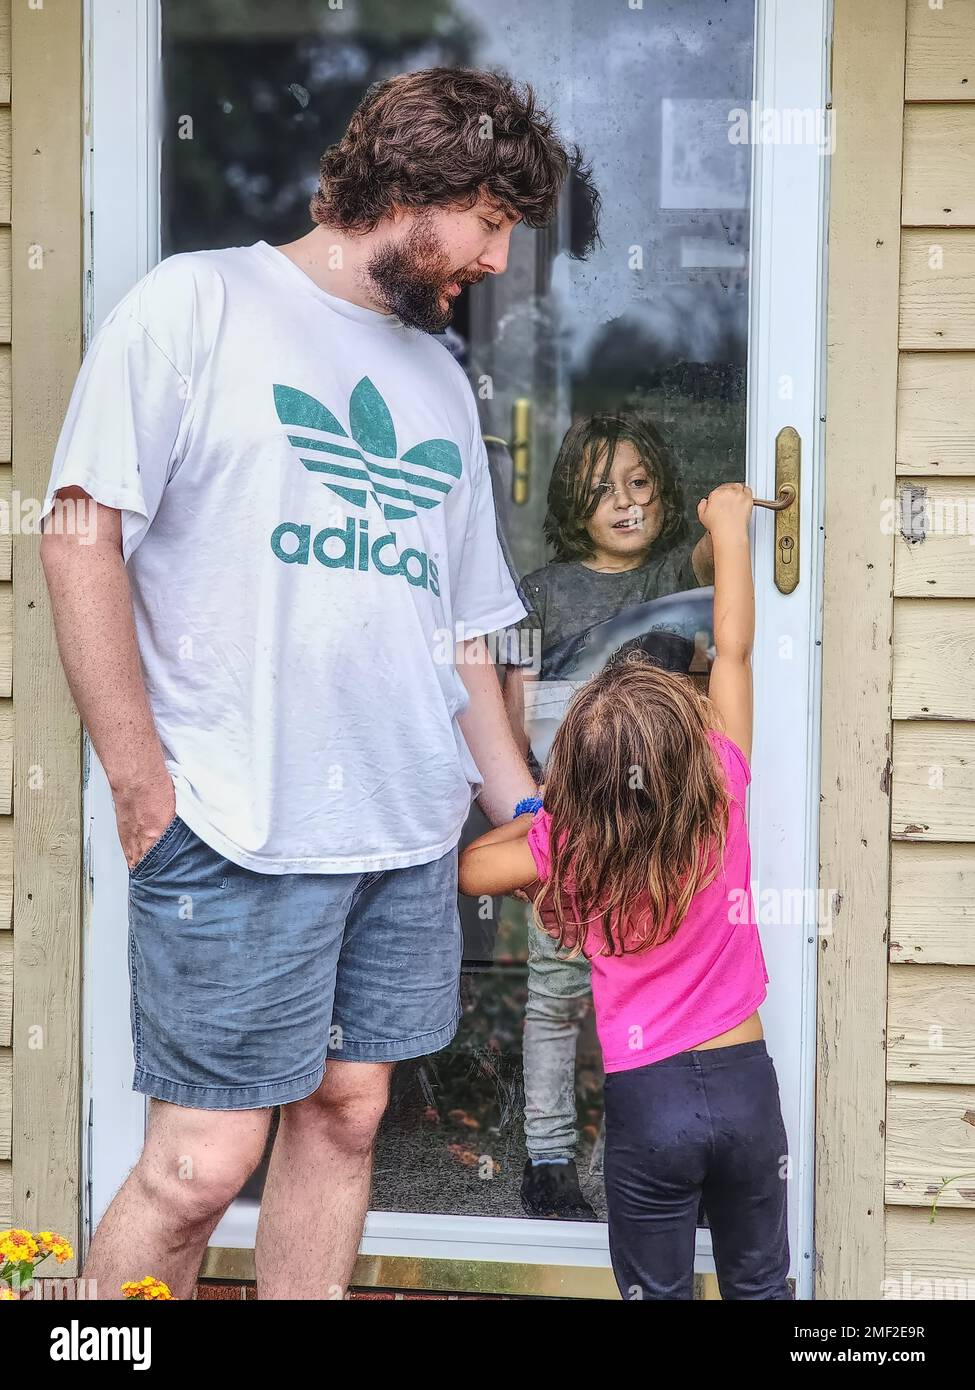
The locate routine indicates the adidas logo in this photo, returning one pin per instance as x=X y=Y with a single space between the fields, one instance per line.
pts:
x=348 y=547
x=348 y=463
x=364 y=461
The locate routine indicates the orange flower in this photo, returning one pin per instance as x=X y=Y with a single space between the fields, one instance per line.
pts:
x=51 y=1244
x=18 y=1247
x=147 y=1288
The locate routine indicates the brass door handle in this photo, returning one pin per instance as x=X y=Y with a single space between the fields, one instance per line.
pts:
x=785 y=499
x=521 y=435
x=519 y=447
x=788 y=460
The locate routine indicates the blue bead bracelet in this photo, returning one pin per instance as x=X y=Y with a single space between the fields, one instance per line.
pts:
x=528 y=803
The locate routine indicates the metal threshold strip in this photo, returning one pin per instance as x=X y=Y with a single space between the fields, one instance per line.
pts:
x=487 y=1277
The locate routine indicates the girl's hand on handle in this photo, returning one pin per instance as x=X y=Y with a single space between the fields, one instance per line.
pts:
x=727 y=509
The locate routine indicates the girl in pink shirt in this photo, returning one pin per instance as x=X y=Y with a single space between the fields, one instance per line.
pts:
x=640 y=861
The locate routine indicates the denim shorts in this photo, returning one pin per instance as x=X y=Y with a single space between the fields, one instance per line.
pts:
x=243 y=983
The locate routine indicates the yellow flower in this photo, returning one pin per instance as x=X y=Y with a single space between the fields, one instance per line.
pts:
x=147 y=1288
x=6 y=1294
x=18 y=1246
x=51 y=1244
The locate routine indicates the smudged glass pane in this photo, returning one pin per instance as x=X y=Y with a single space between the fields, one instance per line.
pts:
x=636 y=307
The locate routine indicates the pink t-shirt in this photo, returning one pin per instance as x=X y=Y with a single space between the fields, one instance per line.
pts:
x=707 y=978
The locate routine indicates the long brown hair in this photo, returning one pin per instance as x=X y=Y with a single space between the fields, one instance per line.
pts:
x=585 y=458
x=638 y=806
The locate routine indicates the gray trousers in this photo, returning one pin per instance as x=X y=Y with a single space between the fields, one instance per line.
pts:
x=559 y=995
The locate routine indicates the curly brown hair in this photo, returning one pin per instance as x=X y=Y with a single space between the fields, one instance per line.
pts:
x=420 y=139
x=585 y=457
x=638 y=805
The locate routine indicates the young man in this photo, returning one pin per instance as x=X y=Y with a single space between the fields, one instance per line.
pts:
x=294 y=524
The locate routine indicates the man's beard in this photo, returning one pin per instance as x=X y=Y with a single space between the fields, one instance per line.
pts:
x=410 y=276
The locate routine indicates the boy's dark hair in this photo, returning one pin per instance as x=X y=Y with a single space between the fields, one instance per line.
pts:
x=420 y=139
x=572 y=493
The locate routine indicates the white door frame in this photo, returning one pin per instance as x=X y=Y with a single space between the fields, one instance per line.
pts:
x=785 y=387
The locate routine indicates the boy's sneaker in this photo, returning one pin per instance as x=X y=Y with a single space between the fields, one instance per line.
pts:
x=551 y=1191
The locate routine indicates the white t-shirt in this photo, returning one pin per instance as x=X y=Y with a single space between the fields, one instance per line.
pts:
x=307 y=522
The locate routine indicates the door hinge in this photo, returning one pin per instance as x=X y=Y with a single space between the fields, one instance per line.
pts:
x=86 y=1193
x=88 y=866
x=829 y=79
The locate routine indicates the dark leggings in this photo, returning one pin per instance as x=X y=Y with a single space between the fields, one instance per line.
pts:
x=698 y=1123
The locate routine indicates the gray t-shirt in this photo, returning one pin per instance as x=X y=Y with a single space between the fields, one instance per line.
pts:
x=566 y=597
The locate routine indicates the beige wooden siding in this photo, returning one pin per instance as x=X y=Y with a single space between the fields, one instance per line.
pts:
x=854 y=821
x=41 y=265
x=6 y=646
x=930 y=1129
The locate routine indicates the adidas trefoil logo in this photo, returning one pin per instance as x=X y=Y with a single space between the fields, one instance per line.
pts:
x=363 y=461
x=348 y=463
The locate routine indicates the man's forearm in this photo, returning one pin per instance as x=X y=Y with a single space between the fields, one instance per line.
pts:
x=488 y=734
x=93 y=620
x=513 y=696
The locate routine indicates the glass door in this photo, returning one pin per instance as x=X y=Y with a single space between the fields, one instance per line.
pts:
x=680 y=284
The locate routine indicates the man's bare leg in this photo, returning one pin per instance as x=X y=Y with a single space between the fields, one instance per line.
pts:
x=192 y=1166
x=317 y=1188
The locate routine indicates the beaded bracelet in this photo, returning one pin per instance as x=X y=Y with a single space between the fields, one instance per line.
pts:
x=528 y=803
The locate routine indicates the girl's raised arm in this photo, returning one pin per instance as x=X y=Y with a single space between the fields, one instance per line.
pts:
x=725 y=513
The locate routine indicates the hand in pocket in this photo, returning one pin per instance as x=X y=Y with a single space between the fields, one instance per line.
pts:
x=143 y=818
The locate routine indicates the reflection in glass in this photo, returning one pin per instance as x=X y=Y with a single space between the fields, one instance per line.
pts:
x=649 y=324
